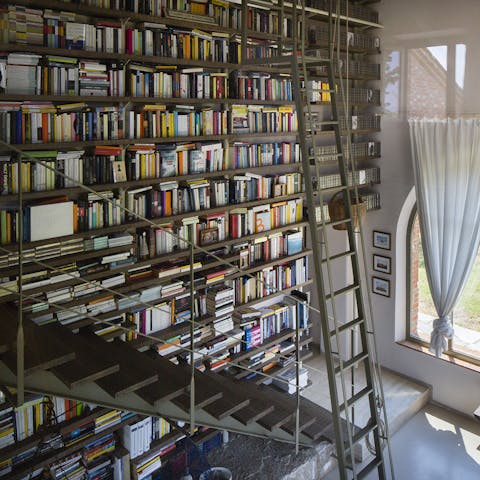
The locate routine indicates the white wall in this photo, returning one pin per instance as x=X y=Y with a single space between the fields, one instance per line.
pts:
x=413 y=24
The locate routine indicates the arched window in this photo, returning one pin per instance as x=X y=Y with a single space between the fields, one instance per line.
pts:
x=420 y=308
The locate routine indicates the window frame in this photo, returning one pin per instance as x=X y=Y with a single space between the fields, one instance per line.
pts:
x=450 y=352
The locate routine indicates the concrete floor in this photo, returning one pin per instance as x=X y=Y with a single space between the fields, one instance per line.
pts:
x=403 y=397
x=436 y=444
x=251 y=459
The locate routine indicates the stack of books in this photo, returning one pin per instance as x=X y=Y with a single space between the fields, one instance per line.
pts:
x=287 y=380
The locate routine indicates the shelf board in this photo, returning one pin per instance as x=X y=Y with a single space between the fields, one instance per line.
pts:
x=128 y=287
x=145 y=182
x=153 y=221
x=44 y=460
x=64 y=259
x=13 y=97
x=45 y=431
x=138 y=17
x=124 y=57
x=270 y=342
x=156 y=446
x=80 y=145
x=142 y=342
x=155 y=260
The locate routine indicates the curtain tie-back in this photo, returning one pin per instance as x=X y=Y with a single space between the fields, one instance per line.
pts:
x=442 y=331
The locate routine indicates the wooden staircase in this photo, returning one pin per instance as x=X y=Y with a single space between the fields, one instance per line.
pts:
x=114 y=374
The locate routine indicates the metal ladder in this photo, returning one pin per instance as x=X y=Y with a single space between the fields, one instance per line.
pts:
x=343 y=400
x=340 y=365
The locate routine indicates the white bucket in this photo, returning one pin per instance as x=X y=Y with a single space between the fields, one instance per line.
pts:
x=216 y=473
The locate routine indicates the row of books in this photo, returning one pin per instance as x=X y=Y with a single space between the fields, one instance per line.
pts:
x=50 y=170
x=247 y=155
x=61 y=248
x=94 y=213
x=153 y=39
x=247 y=221
x=251 y=186
x=359 y=177
x=23 y=74
x=57 y=29
x=358 y=150
x=318 y=35
x=181 y=121
x=261 y=86
x=160 y=161
x=166 y=82
x=258 y=118
x=29 y=74
x=270 y=280
x=42 y=122
x=270 y=247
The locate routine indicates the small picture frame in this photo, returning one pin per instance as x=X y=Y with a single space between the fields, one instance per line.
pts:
x=381 y=286
x=381 y=240
x=382 y=264
x=209 y=235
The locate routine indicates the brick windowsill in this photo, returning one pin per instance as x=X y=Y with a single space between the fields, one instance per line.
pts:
x=446 y=358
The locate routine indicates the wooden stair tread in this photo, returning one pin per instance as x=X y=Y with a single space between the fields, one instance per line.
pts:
x=174 y=380
x=274 y=415
x=169 y=386
x=204 y=386
x=89 y=365
x=233 y=398
x=305 y=421
x=42 y=351
x=135 y=369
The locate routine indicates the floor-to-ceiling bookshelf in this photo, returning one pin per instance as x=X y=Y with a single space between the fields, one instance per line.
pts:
x=154 y=114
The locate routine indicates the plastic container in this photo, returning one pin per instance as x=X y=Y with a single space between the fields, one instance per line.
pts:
x=216 y=473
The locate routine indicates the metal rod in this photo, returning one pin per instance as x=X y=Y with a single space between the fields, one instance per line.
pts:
x=297 y=374
x=20 y=332
x=191 y=232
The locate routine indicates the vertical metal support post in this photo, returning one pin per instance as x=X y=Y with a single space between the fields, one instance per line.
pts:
x=281 y=21
x=20 y=333
x=297 y=374
x=191 y=233
x=244 y=31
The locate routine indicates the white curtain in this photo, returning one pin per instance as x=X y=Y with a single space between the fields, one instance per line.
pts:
x=446 y=161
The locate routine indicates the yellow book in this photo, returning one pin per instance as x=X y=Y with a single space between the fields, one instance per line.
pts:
x=164 y=125
x=171 y=125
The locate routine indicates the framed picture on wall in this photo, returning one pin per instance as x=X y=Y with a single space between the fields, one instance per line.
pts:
x=381 y=286
x=381 y=240
x=382 y=264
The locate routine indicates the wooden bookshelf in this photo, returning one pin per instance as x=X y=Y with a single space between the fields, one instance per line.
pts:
x=90 y=14
x=55 y=455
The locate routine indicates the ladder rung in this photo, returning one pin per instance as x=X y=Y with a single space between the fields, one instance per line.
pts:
x=375 y=463
x=346 y=326
x=336 y=222
x=364 y=431
x=348 y=288
x=358 y=396
x=286 y=59
x=325 y=90
x=323 y=122
x=329 y=190
x=340 y=255
x=351 y=362
x=325 y=155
